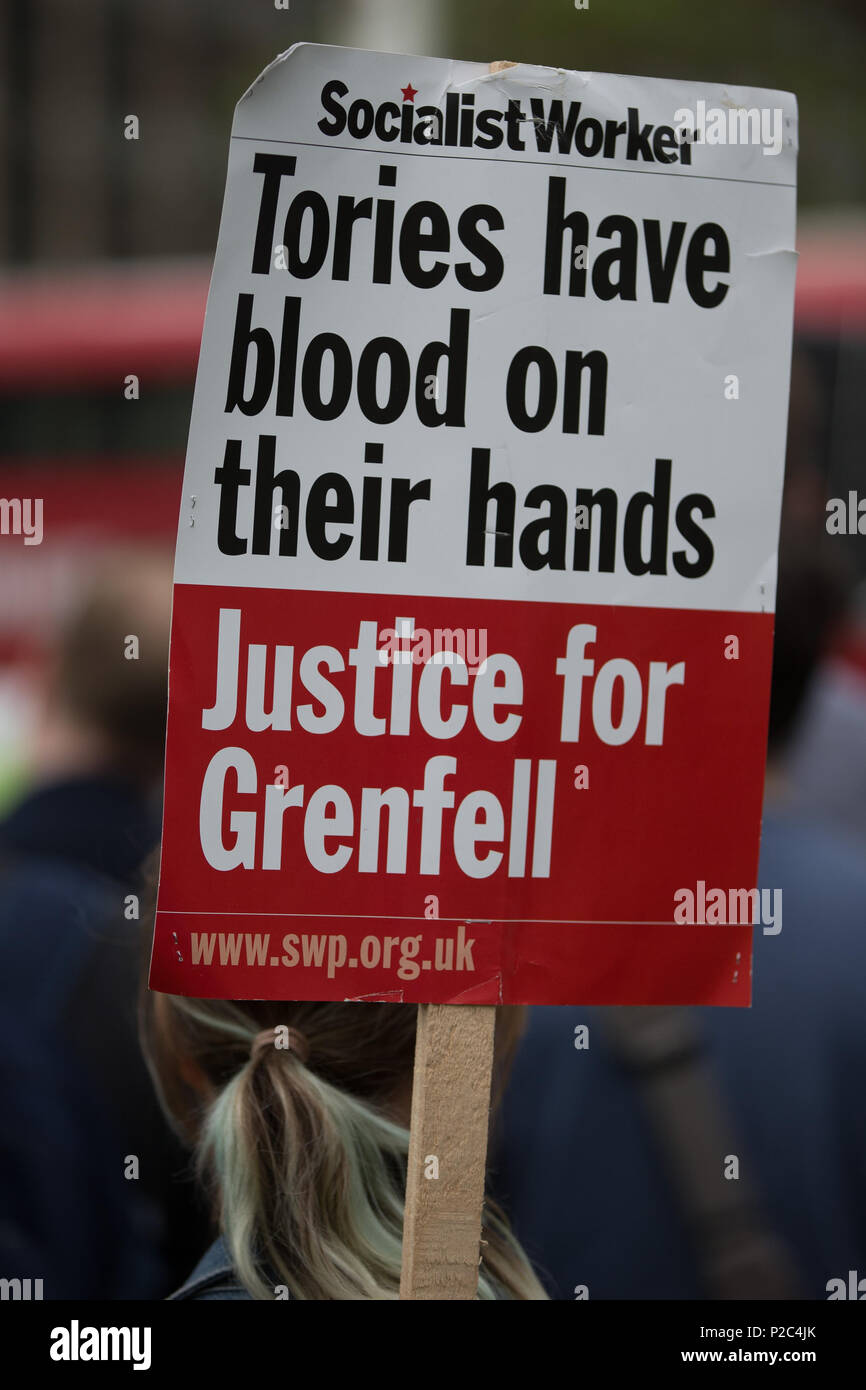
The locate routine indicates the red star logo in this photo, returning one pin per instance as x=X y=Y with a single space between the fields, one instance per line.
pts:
x=409 y=93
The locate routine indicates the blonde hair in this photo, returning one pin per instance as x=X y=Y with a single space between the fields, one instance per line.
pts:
x=290 y=1108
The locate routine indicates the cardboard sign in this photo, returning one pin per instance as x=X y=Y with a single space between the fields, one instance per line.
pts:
x=472 y=628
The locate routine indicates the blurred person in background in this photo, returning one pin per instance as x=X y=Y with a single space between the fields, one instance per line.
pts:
x=825 y=757
x=826 y=761
x=299 y=1114
x=614 y=1158
x=94 y=1200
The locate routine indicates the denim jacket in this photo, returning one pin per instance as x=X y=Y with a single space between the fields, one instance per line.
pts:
x=213 y=1278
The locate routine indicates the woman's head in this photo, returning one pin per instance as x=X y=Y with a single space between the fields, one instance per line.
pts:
x=196 y=1046
x=299 y=1116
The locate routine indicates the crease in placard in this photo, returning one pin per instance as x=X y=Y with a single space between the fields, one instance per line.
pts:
x=773 y=251
x=390 y=996
x=470 y=993
x=448 y=86
x=521 y=75
x=281 y=57
x=502 y=308
x=731 y=103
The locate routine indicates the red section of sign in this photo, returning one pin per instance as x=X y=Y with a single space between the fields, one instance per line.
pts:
x=579 y=907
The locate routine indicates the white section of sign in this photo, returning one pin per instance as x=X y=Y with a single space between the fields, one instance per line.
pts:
x=670 y=364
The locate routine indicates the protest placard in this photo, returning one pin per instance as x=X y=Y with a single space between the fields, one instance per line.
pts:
x=475 y=577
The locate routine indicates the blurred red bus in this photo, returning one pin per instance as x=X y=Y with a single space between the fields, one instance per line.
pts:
x=107 y=467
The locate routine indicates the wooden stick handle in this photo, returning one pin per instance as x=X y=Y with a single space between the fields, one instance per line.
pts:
x=447 y=1151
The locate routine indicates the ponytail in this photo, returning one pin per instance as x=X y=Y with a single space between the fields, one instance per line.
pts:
x=296 y=1141
x=306 y=1180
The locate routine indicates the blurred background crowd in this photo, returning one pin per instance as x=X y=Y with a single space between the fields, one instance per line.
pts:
x=105 y=245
